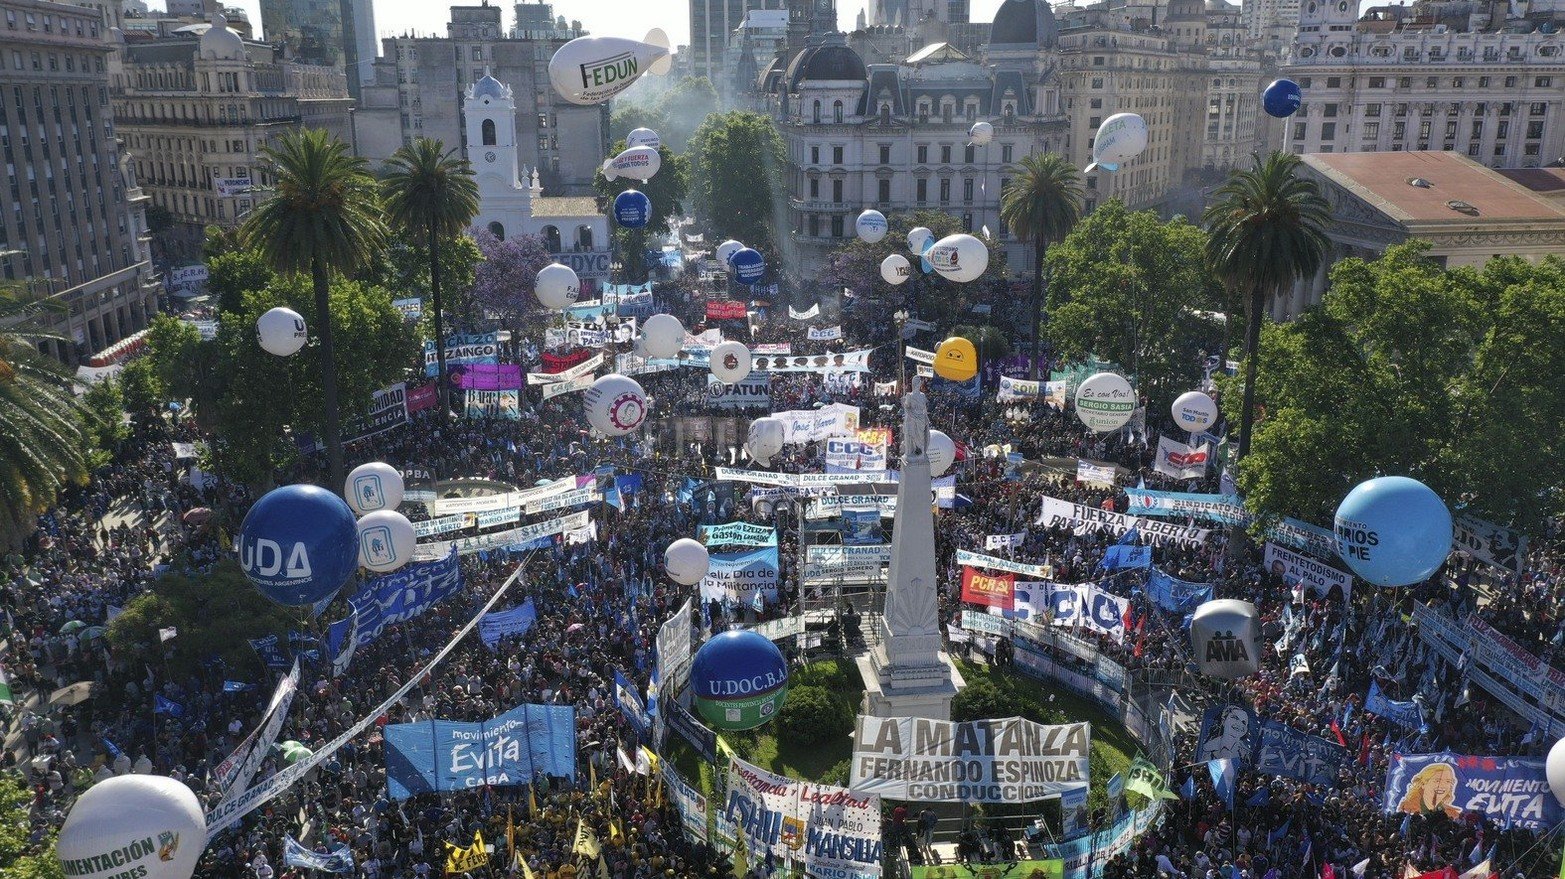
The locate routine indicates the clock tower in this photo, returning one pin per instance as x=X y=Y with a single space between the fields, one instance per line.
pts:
x=809 y=18
x=491 y=132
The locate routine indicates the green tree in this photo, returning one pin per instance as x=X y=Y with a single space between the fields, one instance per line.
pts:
x=736 y=166
x=1267 y=229
x=1132 y=289
x=1406 y=368
x=1041 y=204
x=103 y=407
x=19 y=858
x=430 y=194
x=323 y=218
x=181 y=363
x=216 y=612
x=233 y=273
x=628 y=117
x=143 y=389
x=666 y=190
x=43 y=444
x=403 y=267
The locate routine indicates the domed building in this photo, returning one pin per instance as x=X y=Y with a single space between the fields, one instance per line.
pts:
x=195 y=107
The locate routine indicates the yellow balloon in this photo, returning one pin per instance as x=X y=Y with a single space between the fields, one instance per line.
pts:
x=956 y=359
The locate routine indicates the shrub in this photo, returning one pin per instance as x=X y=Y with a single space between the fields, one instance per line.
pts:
x=812 y=714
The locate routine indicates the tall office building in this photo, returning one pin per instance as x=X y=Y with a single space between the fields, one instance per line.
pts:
x=73 y=225
x=332 y=33
x=712 y=23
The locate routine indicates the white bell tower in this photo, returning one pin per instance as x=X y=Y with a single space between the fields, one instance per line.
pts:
x=491 y=135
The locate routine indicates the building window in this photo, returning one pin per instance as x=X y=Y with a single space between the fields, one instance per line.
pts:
x=967 y=190
x=815 y=226
x=945 y=154
x=1328 y=131
x=497 y=231
x=836 y=191
x=885 y=154
x=836 y=112
x=1371 y=130
x=816 y=115
x=1538 y=108
x=815 y=187
x=1331 y=111
x=488 y=134
x=967 y=223
x=815 y=155
x=945 y=190
x=885 y=191
x=1006 y=151
x=968 y=153
x=1543 y=82
x=885 y=114
x=1534 y=130
x=836 y=226
x=922 y=190
x=836 y=155
x=923 y=154
x=1298 y=130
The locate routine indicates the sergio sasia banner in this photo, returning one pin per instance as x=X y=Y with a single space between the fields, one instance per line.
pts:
x=1509 y=790
x=523 y=744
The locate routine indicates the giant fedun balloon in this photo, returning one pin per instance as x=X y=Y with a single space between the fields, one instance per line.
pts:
x=557 y=286
x=764 y=439
x=686 y=561
x=1225 y=637
x=282 y=331
x=146 y=826
x=590 y=70
x=616 y=405
x=1120 y=138
x=1393 y=531
x=373 y=486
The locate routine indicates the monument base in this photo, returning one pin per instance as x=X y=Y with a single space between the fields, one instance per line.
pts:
x=903 y=691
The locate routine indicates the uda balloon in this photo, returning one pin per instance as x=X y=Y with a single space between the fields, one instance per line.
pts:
x=1225 y=637
x=662 y=335
x=895 y=269
x=643 y=137
x=1393 y=531
x=373 y=486
x=871 y=226
x=686 y=561
x=1120 y=138
x=282 y=331
x=616 y=405
x=557 y=286
x=739 y=680
x=590 y=70
x=386 y=541
x=730 y=361
x=636 y=163
x=299 y=544
x=148 y=826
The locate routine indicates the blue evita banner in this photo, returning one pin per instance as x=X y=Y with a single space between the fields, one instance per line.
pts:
x=507 y=623
x=521 y=745
x=396 y=598
x=1509 y=790
x=1289 y=753
x=861 y=528
x=1403 y=714
x=1175 y=595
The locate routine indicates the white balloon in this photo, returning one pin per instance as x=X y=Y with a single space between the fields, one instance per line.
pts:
x=662 y=336
x=1195 y=411
x=765 y=438
x=1554 y=771
x=686 y=561
x=726 y=251
x=635 y=163
x=149 y=826
x=373 y=486
x=616 y=405
x=919 y=238
x=590 y=70
x=941 y=451
x=1224 y=634
x=282 y=331
x=961 y=258
x=895 y=269
x=871 y=226
x=1105 y=401
x=981 y=133
x=386 y=540
x=643 y=137
x=1119 y=139
x=557 y=286
x=730 y=361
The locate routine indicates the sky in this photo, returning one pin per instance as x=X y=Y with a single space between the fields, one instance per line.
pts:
x=609 y=18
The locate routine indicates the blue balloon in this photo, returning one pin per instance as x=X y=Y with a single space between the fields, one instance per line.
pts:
x=748 y=265
x=299 y=544
x=739 y=680
x=632 y=209
x=1282 y=98
x=1393 y=531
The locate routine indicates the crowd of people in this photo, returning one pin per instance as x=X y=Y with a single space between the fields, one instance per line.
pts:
x=600 y=603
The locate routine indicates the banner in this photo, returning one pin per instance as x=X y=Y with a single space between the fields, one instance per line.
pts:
x=1489 y=543
x=1175 y=595
x=811 y=312
x=754 y=391
x=831 y=505
x=1181 y=461
x=1005 y=541
x=487 y=377
x=507 y=623
x=465 y=860
x=270 y=651
x=1511 y=791
x=1404 y=714
x=1088 y=606
x=831 y=361
x=338 y=860
x=979 y=560
x=568 y=386
x=852 y=454
x=1085 y=856
x=861 y=528
x=831 y=832
x=1099 y=474
x=1228 y=509
x=725 y=309
x=699 y=735
x=1234 y=732
x=510 y=538
x=1082 y=520
x=412 y=308
x=388 y=409
x=687 y=801
x=493 y=404
x=1015 y=390
x=987 y=589
x=738 y=534
x=737 y=576
x=524 y=744
x=1008 y=760
x=825 y=334
x=826 y=565
x=461 y=349
x=630 y=704
x=234 y=773
x=1294 y=568
x=674 y=649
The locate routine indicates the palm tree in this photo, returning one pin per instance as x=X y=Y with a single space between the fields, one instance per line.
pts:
x=1041 y=204
x=430 y=191
x=323 y=216
x=1266 y=229
x=43 y=444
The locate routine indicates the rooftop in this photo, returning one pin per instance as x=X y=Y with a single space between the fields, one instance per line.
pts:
x=565 y=206
x=1548 y=182
x=1422 y=188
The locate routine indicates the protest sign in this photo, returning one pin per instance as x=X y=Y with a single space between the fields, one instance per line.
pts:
x=1009 y=760
x=526 y=743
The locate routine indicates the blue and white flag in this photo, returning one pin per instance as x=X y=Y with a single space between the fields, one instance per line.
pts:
x=1223 y=773
x=1403 y=714
x=1175 y=595
x=338 y=860
x=402 y=595
x=520 y=746
x=507 y=623
x=161 y=705
x=271 y=652
x=1120 y=556
x=630 y=704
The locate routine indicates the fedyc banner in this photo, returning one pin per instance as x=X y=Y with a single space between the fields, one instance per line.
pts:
x=523 y=744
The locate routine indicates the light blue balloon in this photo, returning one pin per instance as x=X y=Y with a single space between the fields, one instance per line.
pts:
x=299 y=544
x=1393 y=531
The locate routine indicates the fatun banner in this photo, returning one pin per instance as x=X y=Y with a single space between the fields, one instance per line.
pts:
x=1009 y=760
x=1510 y=790
x=831 y=832
x=523 y=744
